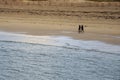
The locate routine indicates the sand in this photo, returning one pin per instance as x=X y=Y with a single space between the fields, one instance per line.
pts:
x=101 y=23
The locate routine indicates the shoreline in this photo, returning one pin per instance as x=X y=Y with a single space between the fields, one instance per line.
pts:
x=100 y=29
x=107 y=39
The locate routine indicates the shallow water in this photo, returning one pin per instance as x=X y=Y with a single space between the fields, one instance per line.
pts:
x=25 y=57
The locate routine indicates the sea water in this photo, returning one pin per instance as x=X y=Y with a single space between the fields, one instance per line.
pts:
x=26 y=57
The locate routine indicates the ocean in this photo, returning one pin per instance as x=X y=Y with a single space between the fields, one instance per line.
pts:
x=27 y=57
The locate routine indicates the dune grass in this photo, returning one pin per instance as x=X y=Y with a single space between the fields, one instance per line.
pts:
x=37 y=0
x=106 y=0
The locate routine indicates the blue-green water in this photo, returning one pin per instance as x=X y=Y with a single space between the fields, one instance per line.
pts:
x=24 y=57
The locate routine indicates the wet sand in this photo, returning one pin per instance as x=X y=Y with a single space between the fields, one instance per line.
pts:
x=107 y=31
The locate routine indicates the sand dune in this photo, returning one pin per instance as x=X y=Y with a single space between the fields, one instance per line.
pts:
x=70 y=3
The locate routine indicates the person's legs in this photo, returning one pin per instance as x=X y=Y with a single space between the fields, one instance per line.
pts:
x=79 y=29
x=83 y=28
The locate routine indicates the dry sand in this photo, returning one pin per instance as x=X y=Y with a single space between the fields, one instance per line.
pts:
x=102 y=24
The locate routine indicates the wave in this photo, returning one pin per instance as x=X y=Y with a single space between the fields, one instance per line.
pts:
x=77 y=48
x=60 y=41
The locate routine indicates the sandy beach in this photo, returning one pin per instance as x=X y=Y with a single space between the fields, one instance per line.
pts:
x=40 y=40
x=101 y=23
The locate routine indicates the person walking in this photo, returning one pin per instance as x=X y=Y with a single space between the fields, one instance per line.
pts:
x=82 y=28
x=79 y=28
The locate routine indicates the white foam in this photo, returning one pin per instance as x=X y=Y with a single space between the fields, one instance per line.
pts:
x=60 y=41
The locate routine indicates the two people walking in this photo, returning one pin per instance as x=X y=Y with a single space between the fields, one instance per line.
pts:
x=81 y=28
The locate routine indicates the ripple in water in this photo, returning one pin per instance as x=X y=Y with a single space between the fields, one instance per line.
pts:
x=25 y=57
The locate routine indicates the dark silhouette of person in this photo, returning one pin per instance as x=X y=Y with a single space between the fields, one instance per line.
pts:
x=79 y=29
x=82 y=28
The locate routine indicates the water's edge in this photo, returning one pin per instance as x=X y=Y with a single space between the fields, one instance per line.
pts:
x=27 y=57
